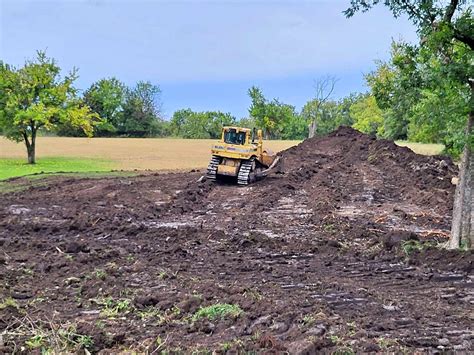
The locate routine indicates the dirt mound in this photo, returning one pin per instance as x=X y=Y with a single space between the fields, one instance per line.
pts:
x=346 y=156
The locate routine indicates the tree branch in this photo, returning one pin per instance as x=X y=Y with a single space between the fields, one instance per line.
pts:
x=450 y=9
x=412 y=11
x=461 y=37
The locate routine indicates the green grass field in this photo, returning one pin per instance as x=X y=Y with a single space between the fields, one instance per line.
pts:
x=101 y=155
x=18 y=167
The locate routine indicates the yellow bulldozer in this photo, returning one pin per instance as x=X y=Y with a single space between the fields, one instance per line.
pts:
x=240 y=154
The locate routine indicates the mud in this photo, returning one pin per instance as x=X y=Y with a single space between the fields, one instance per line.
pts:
x=339 y=253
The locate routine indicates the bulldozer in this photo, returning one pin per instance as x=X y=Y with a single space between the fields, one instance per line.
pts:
x=240 y=154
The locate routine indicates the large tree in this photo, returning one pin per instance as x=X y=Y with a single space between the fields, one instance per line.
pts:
x=35 y=97
x=446 y=54
x=273 y=117
x=141 y=114
x=106 y=97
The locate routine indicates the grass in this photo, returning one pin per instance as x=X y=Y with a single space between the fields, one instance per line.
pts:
x=128 y=153
x=18 y=167
x=218 y=311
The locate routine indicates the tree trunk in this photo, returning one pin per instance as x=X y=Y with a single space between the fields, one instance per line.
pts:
x=312 y=129
x=462 y=229
x=30 y=146
x=31 y=154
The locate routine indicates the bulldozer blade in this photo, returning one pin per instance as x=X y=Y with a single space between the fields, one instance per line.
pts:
x=275 y=167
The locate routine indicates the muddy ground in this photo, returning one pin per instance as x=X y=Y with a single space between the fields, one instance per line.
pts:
x=339 y=254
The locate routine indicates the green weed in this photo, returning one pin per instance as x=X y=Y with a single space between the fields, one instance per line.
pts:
x=58 y=339
x=386 y=343
x=149 y=313
x=309 y=320
x=36 y=341
x=329 y=227
x=100 y=274
x=335 y=339
x=9 y=302
x=111 y=308
x=219 y=310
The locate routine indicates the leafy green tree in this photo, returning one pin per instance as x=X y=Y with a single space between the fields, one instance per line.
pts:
x=293 y=125
x=141 y=111
x=396 y=88
x=367 y=116
x=247 y=122
x=200 y=125
x=179 y=120
x=106 y=97
x=276 y=119
x=258 y=111
x=35 y=97
x=344 y=117
x=444 y=58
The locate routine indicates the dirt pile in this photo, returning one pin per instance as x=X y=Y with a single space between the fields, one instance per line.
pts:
x=346 y=160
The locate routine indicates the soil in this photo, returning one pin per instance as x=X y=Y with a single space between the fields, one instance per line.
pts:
x=339 y=253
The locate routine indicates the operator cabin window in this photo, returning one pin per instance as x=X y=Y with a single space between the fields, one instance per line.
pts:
x=232 y=137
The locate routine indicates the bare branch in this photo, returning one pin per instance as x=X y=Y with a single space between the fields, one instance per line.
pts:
x=324 y=87
x=450 y=9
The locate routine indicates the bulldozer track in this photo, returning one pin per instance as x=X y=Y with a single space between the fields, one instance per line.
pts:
x=244 y=172
x=212 y=168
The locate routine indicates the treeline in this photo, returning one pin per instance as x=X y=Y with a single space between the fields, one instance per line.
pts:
x=123 y=111
x=397 y=106
x=413 y=96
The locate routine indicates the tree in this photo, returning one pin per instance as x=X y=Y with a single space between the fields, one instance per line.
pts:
x=106 y=97
x=367 y=116
x=247 y=122
x=258 y=112
x=273 y=117
x=446 y=52
x=329 y=115
x=200 y=125
x=324 y=88
x=396 y=88
x=179 y=120
x=141 y=111
x=35 y=97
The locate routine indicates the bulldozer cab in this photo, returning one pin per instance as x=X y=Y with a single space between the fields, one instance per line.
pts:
x=235 y=136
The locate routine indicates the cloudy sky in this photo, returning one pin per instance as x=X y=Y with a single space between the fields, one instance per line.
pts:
x=204 y=54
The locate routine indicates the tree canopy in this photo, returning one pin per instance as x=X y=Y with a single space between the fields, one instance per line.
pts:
x=35 y=97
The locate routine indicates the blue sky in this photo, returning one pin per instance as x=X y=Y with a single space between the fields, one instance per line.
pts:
x=204 y=54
